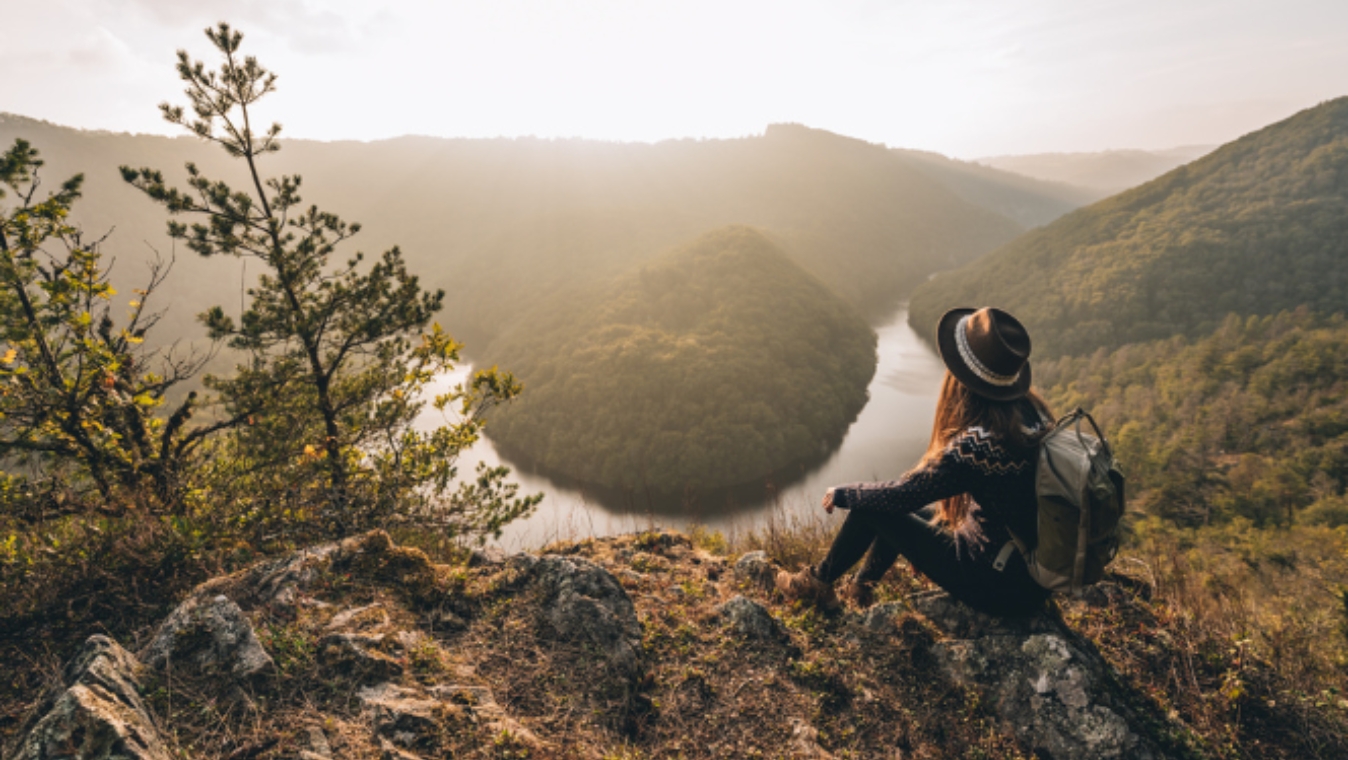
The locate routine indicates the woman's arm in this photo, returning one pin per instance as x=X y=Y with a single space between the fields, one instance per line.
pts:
x=950 y=475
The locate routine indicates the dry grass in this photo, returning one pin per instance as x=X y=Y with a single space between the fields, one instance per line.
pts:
x=1237 y=632
x=1240 y=632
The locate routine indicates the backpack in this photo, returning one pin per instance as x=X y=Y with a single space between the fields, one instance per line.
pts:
x=1080 y=494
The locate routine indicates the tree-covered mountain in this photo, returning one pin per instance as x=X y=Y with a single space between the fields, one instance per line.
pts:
x=1100 y=173
x=502 y=223
x=1256 y=227
x=714 y=364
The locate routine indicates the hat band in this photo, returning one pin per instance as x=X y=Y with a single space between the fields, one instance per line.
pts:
x=972 y=362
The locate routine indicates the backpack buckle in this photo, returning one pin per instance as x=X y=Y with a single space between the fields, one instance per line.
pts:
x=1003 y=556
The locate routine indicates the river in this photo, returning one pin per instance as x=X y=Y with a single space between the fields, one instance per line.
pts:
x=887 y=438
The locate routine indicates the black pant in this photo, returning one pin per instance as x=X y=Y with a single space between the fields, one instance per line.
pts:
x=932 y=551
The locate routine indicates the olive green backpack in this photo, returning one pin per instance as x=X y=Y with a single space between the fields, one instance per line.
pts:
x=1080 y=492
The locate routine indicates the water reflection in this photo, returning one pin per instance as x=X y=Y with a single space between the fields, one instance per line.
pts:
x=887 y=438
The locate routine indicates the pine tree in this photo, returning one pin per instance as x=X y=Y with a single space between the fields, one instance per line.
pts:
x=338 y=354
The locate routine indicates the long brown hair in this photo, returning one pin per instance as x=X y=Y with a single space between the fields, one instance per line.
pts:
x=958 y=409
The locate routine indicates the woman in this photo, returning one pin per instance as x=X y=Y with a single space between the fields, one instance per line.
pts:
x=977 y=476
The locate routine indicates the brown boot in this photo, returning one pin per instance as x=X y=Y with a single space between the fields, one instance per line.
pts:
x=861 y=594
x=805 y=586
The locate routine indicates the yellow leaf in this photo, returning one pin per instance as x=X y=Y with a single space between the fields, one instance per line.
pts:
x=9 y=356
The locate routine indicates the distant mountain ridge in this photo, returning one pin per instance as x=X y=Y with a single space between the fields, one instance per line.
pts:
x=1100 y=173
x=1031 y=202
x=1256 y=227
x=503 y=223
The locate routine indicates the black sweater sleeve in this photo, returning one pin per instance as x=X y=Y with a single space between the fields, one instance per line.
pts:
x=948 y=476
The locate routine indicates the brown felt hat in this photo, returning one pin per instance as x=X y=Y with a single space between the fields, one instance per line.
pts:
x=987 y=350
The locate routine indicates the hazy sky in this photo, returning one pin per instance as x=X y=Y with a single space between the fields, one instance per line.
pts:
x=963 y=77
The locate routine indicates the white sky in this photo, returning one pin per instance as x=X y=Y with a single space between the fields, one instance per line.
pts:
x=963 y=77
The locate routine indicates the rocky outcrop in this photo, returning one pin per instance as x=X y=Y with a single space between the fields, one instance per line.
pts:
x=411 y=719
x=359 y=656
x=1047 y=685
x=640 y=641
x=208 y=636
x=99 y=714
x=583 y=602
x=405 y=716
x=278 y=585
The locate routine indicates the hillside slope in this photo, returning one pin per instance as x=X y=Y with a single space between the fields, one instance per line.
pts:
x=1250 y=422
x=651 y=646
x=712 y=365
x=623 y=647
x=1256 y=227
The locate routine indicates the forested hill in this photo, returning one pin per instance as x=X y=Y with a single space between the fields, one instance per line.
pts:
x=1258 y=226
x=715 y=364
x=501 y=223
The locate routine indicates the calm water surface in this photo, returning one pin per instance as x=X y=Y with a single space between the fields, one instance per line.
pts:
x=886 y=439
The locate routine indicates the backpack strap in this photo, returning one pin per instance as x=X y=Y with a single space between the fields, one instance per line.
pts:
x=1083 y=543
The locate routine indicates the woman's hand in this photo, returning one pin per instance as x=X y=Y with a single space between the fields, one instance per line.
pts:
x=828 y=501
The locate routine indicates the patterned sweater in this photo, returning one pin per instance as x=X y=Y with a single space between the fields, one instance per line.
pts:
x=998 y=474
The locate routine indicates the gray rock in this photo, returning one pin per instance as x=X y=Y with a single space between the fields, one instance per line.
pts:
x=390 y=751
x=756 y=570
x=407 y=717
x=98 y=716
x=466 y=695
x=880 y=617
x=964 y=622
x=522 y=563
x=371 y=617
x=278 y=584
x=1050 y=687
x=486 y=712
x=750 y=619
x=584 y=602
x=443 y=618
x=319 y=741
x=208 y=635
x=358 y=656
x=805 y=742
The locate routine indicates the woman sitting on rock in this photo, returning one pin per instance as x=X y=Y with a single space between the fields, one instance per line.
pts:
x=978 y=476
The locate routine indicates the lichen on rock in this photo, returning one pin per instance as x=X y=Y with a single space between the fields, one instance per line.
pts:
x=1048 y=686
x=98 y=716
x=750 y=619
x=208 y=636
x=755 y=570
x=582 y=601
